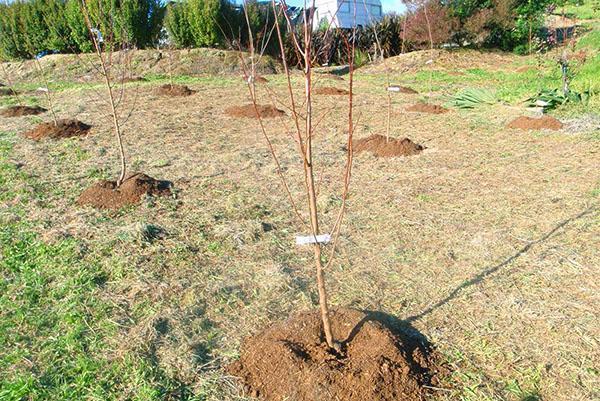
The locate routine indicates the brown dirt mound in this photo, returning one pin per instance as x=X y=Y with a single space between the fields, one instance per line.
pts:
x=19 y=111
x=377 y=362
x=175 y=90
x=329 y=90
x=106 y=195
x=247 y=111
x=531 y=123
x=63 y=129
x=403 y=89
x=393 y=147
x=427 y=108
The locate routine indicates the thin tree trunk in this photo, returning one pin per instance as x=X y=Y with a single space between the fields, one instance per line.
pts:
x=312 y=198
x=47 y=92
x=111 y=97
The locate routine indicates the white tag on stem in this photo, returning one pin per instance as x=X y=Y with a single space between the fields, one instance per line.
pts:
x=311 y=239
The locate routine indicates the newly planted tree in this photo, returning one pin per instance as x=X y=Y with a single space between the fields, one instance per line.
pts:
x=112 y=53
x=329 y=351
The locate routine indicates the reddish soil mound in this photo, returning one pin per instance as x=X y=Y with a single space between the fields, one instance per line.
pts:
x=530 y=123
x=175 y=90
x=19 y=111
x=63 y=129
x=247 y=111
x=290 y=360
x=328 y=90
x=427 y=108
x=393 y=147
x=403 y=89
x=106 y=195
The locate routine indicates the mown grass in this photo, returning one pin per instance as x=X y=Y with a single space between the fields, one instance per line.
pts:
x=53 y=322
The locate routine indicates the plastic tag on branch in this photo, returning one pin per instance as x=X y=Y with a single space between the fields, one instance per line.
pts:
x=40 y=89
x=311 y=239
x=393 y=88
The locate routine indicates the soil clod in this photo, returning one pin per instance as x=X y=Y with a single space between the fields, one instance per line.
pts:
x=175 y=90
x=531 y=123
x=329 y=90
x=380 y=147
x=427 y=108
x=62 y=129
x=106 y=194
x=377 y=362
x=20 y=111
x=248 y=111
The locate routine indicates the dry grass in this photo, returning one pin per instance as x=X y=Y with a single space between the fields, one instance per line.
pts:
x=487 y=243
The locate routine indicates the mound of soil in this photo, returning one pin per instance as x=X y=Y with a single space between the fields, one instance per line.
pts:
x=175 y=90
x=290 y=360
x=106 y=195
x=393 y=147
x=403 y=89
x=329 y=90
x=63 y=129
x=427 y=108
x=531 y=123
x=19 y=111
x=247 y=111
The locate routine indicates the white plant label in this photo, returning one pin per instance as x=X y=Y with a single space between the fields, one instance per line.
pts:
x=393 y=88
x=311 y=239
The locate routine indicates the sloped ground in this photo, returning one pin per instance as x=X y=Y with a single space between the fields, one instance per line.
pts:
x=138 y=63
x=486 y=243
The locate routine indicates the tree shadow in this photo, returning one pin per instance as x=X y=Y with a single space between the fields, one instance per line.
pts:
x=495 y=268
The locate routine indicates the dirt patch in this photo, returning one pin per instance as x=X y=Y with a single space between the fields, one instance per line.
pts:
x=402 y=89
x=427 y=108
x=378 y=145
x=19 y=111
x=532 y=123
x=62 y=129
x=247 y=111
x=7 y=92
x=106 y=195
x=378 y=362
x=329 y=90
x=175 y=90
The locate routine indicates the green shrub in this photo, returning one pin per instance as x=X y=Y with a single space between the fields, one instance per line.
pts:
x=177 y=25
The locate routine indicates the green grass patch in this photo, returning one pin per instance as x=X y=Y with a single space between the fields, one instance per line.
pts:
x=53 y=322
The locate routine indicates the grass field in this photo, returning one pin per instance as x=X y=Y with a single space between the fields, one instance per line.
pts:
x=487 y=243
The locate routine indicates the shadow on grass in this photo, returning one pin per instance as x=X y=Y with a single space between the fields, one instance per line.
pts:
x=493 y=269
